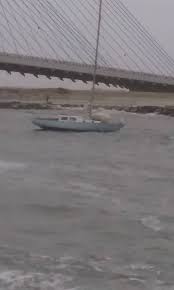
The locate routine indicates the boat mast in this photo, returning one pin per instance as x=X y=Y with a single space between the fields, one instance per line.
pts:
x=96 y=58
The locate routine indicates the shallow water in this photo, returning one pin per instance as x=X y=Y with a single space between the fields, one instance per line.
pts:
x=87 y=211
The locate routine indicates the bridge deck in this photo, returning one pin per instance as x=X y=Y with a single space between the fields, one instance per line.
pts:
x=135 y=81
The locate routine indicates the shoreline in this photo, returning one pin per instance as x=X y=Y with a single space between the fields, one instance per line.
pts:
x=62 y=98
x=140 y=109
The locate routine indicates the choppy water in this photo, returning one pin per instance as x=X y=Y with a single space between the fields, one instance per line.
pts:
x=87 y=211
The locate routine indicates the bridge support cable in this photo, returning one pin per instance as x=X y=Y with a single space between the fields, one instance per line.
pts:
x=12 y=15
x=148 y=57
x=56 y=26
x=137 y=33
x=46 y=32
x=81 y=37
x=33 y=27
x=132 y=49
x=114 y=47
x=18 y=31
x=141 y=28
x=90 y=16
x=71 y=31
x=20 y=47
x=44 y=39
x=143 y=34
x=119 y=49
x=115 y=34
x=10 y=31
x=5 y=42
x=87 y=28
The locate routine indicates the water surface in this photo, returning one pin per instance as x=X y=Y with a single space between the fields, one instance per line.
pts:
x=87 y=211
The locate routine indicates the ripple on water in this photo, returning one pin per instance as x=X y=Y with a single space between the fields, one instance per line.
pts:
x=68 y=272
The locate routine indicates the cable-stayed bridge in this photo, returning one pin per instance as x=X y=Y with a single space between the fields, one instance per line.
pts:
x=56 y=38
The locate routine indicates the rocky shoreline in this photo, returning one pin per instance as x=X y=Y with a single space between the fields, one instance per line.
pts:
x=17 y=105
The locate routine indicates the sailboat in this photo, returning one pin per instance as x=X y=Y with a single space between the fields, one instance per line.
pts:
x=77 y=123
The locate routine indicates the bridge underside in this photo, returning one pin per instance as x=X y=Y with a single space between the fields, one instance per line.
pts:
x=132 y=84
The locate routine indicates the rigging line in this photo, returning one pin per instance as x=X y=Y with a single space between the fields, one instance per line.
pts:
x=84 y=26
x=93 y=15
x=92 y=49
x=89 y=31
x=80 y=38
x=138 y=67
x=113 y=49
x=120 y=47
x=96 y=57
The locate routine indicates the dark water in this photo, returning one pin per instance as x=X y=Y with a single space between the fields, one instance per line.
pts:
x=87 y=211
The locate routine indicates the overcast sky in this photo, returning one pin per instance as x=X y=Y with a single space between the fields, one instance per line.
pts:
x=157 y=17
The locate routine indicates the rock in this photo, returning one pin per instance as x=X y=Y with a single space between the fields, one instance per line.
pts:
x=167 y=110
x=98 y=114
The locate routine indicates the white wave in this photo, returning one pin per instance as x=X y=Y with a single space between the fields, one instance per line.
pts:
x=6 y=166
x=89 y=190
x=19 y=280
x=96 y=266
x=67 y=259
x=141 y=267
x=137 y=280
x=152 y=115
x=152 y=222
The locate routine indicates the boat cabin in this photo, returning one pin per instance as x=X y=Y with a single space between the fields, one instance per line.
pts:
x=70 y=119
x=78 y=119
x=65 y=118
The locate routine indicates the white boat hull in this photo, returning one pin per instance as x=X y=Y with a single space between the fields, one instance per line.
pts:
x=85 y=126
